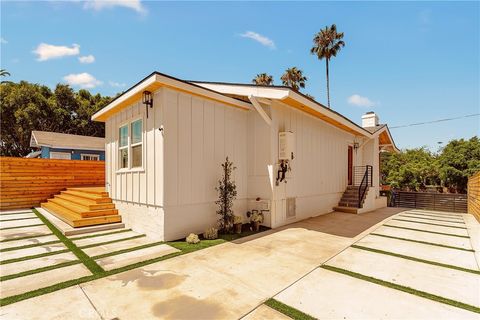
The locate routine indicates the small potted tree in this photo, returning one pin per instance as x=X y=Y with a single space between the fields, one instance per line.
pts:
x=256 y=219
x=237 y=224
x=227 y=192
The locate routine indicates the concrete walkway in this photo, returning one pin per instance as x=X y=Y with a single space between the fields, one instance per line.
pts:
x=227 y=281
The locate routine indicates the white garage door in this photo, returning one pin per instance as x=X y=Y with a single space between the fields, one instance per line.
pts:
x=60 y=155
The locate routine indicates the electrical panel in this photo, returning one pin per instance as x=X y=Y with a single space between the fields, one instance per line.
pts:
x=286 y=145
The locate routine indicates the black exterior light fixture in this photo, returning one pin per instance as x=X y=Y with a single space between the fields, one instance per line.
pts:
x=147 y=100
x=356 y=145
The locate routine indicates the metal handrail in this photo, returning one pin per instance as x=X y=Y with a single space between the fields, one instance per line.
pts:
x=367 y=181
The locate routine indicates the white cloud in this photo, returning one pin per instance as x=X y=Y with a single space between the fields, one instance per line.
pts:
x=46 y=51
x=359 y=101
x=87 y=59
x=82 y=80
x=267 y=42
x=116 y=84
x=3 y=41
x=98 y=5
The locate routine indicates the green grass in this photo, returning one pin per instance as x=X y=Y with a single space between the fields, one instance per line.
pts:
x=181 y=245
x=287 y=310
x=16 y=219
x=99 y=235
x=40 y=255
x=111 y=241
x=27 y=237
x=17 y=227
x=430 y=219
x=246 y=233
x=416 y=259
x=432 y=224
x=406 y=289
x=423 y=242
x=29 y=246
x=433 y=215
x=38 y=270
x=426 y=231
x=84 y=258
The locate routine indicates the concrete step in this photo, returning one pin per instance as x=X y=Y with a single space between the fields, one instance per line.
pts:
x=346 y=209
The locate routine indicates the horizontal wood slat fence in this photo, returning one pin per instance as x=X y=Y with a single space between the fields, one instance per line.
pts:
x=474 y=195
x=25 y=183
x=452 y=202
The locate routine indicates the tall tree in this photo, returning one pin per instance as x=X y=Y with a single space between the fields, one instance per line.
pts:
x=294 y=78
x=326 y=44
x=263 y=79
x=4 y=73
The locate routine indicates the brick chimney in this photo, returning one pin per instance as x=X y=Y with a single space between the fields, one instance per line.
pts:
x=369 y=119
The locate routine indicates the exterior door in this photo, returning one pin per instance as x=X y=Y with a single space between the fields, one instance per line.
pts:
x=350 y=165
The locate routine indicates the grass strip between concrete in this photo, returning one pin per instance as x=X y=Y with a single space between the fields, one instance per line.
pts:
x=111 y=241
x=38 y=270
x=183 y=246
x=18 y=227
x=287 y=310
x=432 y=224
x=426 y=231
x=442 y=216
x=82 y=256
x=99 y=235
x=416 y=259
x=406 y=289
x=430 y=219
x=423 y=242
x=18 y=219
x=40 y=255
x=29 y=246
x=114 y=253
x=27 y=237
x=442 y=213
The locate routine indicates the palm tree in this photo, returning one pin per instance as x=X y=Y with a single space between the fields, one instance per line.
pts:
x=263 y=79
x=294 y=78
x=4 y=73
x=326 y=44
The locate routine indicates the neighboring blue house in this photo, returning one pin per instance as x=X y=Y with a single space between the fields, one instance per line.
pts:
x=54 y=145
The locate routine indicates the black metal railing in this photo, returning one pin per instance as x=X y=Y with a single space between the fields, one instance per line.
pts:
x=367 y=181
x=451 y=202
x=359 y=173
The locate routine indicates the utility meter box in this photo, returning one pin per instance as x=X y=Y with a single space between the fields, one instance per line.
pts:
x=286 y=145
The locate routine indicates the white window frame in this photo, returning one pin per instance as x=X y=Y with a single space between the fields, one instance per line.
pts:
x=94 y=157
x=129 y=146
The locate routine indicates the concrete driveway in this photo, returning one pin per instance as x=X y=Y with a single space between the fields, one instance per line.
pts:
x=232 y=280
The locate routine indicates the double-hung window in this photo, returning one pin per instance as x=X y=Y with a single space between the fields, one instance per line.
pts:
x=130 y=145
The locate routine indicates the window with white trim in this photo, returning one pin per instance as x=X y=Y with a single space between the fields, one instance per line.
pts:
x=123 y=147
x=130 y=145
x=92 y=157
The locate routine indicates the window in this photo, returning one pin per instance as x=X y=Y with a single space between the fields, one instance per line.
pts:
x=60 y=155
x=92 y=157
x=123 y=146
x=131 y=145
x=137 y=144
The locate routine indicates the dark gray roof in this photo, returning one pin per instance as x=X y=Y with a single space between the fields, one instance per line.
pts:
x=374 y=129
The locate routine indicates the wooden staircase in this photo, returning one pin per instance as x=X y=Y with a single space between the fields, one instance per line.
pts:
x=82 y=207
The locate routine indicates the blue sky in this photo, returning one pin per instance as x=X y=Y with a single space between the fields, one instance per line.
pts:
x=408 y=61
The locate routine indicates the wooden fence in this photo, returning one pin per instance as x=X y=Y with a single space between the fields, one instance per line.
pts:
x=452 y=202
x=474 y=195
x=25 y=183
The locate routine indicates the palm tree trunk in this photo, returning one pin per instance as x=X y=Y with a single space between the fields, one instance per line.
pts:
x=328 y=85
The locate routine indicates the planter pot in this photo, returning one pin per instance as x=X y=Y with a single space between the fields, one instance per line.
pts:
x=238 y=228
x=256 y=226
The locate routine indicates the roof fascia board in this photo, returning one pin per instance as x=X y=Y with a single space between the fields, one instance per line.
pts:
x=242 y=90
x=387 y=130
x=157 y=78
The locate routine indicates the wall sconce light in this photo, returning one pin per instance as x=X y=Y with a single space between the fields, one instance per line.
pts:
x=356 y=145
x=147 y=100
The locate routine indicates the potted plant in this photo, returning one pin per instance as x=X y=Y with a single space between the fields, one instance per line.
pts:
x=256 y=218
x=237 y=224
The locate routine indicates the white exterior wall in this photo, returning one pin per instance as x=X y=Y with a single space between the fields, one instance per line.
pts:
x=320 y=168
x=138 y=193
x=199 y=135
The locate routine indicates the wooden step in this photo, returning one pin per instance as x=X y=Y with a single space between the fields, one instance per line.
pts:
x=88 y=204
x=88 y=196
x=82 y=210
x=76 y=220
x=99 y=191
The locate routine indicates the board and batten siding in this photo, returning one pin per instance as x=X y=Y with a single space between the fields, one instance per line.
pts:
x=319 y=171
x=199 y=135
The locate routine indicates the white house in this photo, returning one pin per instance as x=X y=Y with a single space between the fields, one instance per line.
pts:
x=166 y=139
